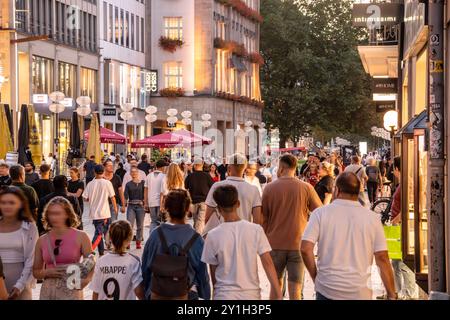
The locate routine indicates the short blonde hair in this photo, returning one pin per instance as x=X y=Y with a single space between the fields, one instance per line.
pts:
x=72 y=219
x=328 y=167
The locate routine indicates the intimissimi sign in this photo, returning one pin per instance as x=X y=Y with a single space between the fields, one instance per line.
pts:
x=376 y=15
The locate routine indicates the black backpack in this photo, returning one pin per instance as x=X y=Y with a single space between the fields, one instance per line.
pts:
x=170 y=272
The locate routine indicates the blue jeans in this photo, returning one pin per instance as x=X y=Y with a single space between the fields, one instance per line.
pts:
x=101 y=228
x=155 y=215
x=405 y=280
x=321 y=297
x=113 y=212
x=137 y=213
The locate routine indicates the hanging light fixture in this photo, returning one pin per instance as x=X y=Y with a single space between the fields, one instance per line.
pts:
x=151 y=118
x=126 y=115
x=186 y=114
x=206 y=117
x=56 y=107
x=172 y=112
x=186 y=121
x=57 y=96
x=206 y=123
x=84 y=111
x=84 y=101
x=151 y=109
x=126 y=107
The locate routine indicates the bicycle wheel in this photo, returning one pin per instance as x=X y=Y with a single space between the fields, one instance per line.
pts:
x=382 y=207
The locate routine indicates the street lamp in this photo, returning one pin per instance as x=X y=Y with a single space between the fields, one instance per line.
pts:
x=391 y=121
x=126 y=115
x=56 y=107
x=83 y=110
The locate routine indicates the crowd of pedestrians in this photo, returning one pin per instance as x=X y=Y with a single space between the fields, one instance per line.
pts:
x=242 y=211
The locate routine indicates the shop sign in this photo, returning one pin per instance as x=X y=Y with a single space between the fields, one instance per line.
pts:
x=414 y=21
x=384 y=85
x=110 y=112
x=67 y=102
x=383 y=106
x=151 y=81
x=376 y=15
x=40 y=98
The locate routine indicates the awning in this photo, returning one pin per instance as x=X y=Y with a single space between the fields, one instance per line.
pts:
x=237 y=64
x=418 y=122
x=380 y=60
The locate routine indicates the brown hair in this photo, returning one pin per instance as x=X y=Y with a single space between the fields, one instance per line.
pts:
x=24 y=212
x=119 y=232
x=72 y=220
x=177 y=203
x=77 y=172
x=289 y=161
x=226 y=197
x=44 y=168
x=348 y=183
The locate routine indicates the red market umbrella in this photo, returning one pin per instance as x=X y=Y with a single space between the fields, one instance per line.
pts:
x=108 y=136
x=180 y=138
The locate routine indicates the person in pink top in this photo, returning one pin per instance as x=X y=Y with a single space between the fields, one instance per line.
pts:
x=61 y=246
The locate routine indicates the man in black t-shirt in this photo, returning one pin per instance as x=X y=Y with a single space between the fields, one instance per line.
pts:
x=5 y=179
x=43 y=186
x=198 y=184
x=89 y=169
x=75 y=186
x=118 y=190
x=222 y=169
x=144 y=165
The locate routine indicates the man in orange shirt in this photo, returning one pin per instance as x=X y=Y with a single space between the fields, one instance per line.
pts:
x=286 y=205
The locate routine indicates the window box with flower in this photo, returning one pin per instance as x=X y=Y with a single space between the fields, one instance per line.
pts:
x=172 y=92
x=169 y=44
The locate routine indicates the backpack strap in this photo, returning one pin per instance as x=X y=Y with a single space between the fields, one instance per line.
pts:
x=358 y=171
x=163 y=240
x=190 y=243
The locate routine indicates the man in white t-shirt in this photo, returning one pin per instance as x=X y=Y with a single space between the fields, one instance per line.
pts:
x=357 y=168
x=152 y=193
x=250 y=176
x=249 y=196
x=348 y=236
x=97 y=193
x=232 y=250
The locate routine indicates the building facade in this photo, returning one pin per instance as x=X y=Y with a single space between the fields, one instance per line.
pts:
x=124 y=75
x=206 y=56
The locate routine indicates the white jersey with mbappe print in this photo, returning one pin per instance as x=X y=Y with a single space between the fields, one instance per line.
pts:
x=116 y=276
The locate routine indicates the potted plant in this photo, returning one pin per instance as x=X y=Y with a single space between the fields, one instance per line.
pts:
x=172 y=92
x=169 y=44
x=256 y=57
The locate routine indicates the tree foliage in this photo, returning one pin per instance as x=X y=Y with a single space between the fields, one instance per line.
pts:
x=313 y=78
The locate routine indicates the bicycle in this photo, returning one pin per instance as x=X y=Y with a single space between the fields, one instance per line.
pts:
x=382 y=206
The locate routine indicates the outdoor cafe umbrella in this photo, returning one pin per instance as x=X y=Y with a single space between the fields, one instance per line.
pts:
x=24 y=135
x=180 y=138
x=10 y=120
x=6 y=144
x=75 y=139
x=108 y=136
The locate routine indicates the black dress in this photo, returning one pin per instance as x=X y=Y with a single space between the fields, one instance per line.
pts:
x=324 y=186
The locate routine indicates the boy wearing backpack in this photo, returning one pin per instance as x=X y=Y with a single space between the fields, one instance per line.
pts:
x=231 y=250
x=171 y=265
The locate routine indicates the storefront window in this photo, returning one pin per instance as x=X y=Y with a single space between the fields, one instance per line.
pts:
x=421 y=82
x=42 y=75
x=410 y=194
x=423 y=212
x=68 y=79
x=89 y=83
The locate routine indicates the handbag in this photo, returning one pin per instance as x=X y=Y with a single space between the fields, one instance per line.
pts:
x=394 y=243
x=214 y=221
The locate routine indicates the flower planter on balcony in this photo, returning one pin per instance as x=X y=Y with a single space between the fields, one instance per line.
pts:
x=236 y=48
x=169 y=44
x=255 y=57
x=172 y=92
x=243 y=9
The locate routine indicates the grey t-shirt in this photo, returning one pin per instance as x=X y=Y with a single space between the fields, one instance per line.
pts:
x=134 y=192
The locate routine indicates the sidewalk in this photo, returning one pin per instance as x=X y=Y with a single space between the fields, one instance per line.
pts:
x=308 y=290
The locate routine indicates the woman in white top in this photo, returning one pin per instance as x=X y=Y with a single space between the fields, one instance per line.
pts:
x=18 y=236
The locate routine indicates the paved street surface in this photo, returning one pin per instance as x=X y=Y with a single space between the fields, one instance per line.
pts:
x=265 y=286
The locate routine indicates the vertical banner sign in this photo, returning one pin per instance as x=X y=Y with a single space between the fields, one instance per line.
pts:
x=436 y=169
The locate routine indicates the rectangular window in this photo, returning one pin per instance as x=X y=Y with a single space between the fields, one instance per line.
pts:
x=117 y=26
x=67 y=79
x=132 y=35
x=50 y=17
x=105 y=21
x=88 y=83
x=173 y=27
x=110 y=24
x=173 y=75
x=63 y=24
x=142 y=35
x=127 y=29
x=94 y=33
x=42 y=75
x=122 y=28
x=138 y=35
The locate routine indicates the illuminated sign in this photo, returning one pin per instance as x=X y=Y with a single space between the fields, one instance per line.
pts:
x=40 y=98
x=375 y=15
x=151 y=81
x=383 y=106
x=384 y=85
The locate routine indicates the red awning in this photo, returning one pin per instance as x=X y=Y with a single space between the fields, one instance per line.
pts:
x=179 y=138
x=108 y=136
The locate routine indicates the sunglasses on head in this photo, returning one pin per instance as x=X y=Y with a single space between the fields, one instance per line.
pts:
x=57 y=245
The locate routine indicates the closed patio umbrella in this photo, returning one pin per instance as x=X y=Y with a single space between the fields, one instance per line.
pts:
x=10 y=120
x=93 y=148
x=5 y=136
x=24 y=135
x=75 y=139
